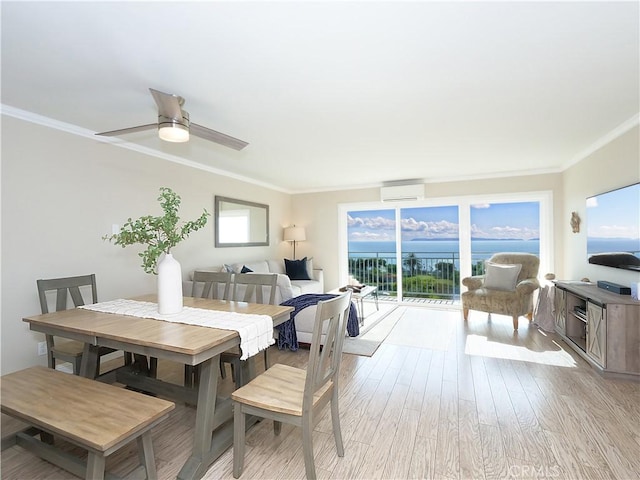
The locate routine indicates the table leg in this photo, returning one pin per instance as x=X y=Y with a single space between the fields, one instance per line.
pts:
x=204 y=453
x=89 y=363
x=248 y=371
x=214 y=423
x=360 y=305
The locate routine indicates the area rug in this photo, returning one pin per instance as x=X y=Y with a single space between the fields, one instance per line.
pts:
x=373 y=316
x=372 y=336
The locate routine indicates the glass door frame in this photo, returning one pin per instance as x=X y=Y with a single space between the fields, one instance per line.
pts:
x=464 y=203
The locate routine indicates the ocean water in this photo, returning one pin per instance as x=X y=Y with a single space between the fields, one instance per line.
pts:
x=481 y=249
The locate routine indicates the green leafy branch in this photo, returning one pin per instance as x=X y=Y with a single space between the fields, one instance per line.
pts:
x=159 y=234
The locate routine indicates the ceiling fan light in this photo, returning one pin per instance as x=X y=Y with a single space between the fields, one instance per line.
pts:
x=173 y=133
x=173 y=129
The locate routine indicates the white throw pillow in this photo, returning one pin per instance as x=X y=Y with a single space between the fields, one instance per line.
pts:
x=310 y=267
x=500 y=276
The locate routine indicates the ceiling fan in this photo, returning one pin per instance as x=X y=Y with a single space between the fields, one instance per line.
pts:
x=174 y=126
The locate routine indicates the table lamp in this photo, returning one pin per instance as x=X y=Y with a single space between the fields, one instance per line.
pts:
x=294 y=234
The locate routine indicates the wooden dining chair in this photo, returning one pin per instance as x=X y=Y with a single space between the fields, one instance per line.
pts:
x=253 y=288
x=68 y=288
x=216 y=285
x=295 y=396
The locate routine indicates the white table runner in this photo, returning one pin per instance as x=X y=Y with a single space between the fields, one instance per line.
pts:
x=256 y=331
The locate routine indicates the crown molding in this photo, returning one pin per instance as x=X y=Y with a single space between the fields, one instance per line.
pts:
x=83 y=132
x=601 y=142
x=118 y=142
x=457 y=178
x=620 y=130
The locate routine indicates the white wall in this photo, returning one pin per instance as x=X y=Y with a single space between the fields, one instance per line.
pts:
x=615 y=165
x=319 y=212
x=61 y=193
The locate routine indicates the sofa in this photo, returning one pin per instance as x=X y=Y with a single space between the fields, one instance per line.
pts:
x=305 y=307
x=286 y=287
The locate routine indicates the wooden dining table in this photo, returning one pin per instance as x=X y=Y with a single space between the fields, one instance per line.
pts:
x=178 y=342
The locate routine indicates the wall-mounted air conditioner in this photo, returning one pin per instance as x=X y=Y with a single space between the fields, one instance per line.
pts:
x=397 y=193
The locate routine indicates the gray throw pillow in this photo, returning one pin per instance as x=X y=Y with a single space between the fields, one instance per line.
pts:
x=499 y=276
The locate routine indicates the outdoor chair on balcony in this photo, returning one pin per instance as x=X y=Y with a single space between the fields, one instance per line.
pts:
x=506 y=288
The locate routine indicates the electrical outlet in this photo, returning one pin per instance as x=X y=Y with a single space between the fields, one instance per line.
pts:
x=42 y=348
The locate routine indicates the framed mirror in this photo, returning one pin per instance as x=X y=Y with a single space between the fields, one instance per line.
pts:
x=239 y=223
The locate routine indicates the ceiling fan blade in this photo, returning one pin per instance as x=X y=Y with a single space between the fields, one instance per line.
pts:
x=217 y=137
x=169 y=105
x=170 y=113
x=121 y=131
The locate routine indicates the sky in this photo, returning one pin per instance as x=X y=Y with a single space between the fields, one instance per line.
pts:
x=614 y=214
x=506 y=220
x=494 y=221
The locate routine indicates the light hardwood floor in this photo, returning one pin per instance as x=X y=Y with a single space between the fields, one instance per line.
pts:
x=440 y=398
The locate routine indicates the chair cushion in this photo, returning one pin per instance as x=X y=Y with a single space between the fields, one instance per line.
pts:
x=501 y=276
x=70 y=347
x=297 y=269
x=276 y=266
x=305 y=286
x=289 y=384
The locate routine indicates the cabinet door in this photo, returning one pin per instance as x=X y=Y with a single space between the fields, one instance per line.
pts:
x=597 y=333
x=560 y=310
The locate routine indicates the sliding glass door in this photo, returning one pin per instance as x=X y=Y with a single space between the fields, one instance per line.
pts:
x=407 y=252
x=416 y=252
x=503 y=227
x=430 y=252
x=372 y=252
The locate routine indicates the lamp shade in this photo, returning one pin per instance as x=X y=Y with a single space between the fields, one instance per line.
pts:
x=294 y=234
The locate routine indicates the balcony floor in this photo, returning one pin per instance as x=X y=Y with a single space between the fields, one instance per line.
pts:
x=414 y=301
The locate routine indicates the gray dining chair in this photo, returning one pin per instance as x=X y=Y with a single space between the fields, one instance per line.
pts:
x=300 y=394
x=252 y=288
x=68 y=288
x=216 y=285
x=255 y=287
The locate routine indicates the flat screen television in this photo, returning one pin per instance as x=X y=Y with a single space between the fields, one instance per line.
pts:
x=613 y=228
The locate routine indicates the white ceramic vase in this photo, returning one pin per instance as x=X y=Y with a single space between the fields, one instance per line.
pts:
x=169 y=285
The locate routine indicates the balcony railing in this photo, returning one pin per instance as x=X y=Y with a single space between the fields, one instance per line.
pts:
x=424 y=274
x=428 y=275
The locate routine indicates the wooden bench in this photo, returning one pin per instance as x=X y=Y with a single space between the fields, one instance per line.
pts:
x=98 y=417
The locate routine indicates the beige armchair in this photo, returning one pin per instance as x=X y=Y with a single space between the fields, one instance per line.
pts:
x=506 y=287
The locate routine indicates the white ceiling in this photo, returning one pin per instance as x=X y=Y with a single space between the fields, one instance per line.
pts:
x=333 y=94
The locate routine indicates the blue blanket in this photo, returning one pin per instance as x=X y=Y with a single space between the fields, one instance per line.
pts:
x=287 y=337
